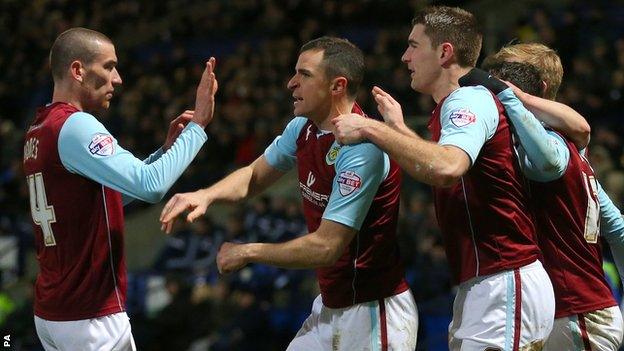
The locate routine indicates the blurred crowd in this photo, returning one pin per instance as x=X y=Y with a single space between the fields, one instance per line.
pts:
x=161 y=46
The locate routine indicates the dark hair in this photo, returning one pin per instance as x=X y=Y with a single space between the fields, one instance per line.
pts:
x=74 y=44
x=522 y=75
x=341 y=58
x=453 y=25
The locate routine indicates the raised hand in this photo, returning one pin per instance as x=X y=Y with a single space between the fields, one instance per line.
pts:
x=230 y=258
x=196 y=202
x=176 y=126
x=205 y=98
x=388 y=107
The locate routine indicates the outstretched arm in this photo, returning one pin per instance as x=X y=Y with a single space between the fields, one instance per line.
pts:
x=547 y=154
x=430 y=163
x=176 y=127
x=612 y=228
x=427 y=162
x=558 y=116
x=439 y=164
x=87 y=148
x=240 y=184
x=544 y=155
x=344 y=215
x=321 y=248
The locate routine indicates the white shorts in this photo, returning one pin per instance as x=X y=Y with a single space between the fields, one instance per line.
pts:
x=599 y=330
x=391 y=325
x=510 y=310
x=110 y=332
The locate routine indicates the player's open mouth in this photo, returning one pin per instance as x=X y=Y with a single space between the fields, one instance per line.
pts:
x=297 y=99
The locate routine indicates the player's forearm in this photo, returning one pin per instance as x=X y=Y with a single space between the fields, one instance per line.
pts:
x=560 y=117
x=234 y=187
x=425 y=161
x=612 y=228
x=245 y=182
x=154 y=156
x=403 y=129
x=547 y=154
x=305 y=252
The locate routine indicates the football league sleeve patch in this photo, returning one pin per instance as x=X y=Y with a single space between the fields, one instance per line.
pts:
x=360 y=169
x=469 y=118
x=102 y=144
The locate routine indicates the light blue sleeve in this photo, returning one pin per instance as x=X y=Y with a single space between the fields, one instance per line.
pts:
x=469 y=118
x=126 y=199
x=612 y=228
x=87 y=148
x=545 y=153
x=282 y=153
x=154 y=156
x=360 y=169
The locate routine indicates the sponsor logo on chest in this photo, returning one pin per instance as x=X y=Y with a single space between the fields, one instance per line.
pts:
x=310 y=195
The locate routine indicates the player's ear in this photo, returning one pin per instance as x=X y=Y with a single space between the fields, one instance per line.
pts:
x=339 y=86
x=544 y=88
x=446 y=53
x=77 y=71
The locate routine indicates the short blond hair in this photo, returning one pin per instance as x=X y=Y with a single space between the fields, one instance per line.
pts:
x=537 y=55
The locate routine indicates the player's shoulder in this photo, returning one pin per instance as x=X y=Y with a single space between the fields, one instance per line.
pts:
x=471 y=94
x=465 y=103
x=81 y=120
x=82 y=127
x=296 y=124
x=53 y=114
x=364 y=150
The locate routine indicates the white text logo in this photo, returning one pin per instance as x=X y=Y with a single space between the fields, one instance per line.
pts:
x=311 y=179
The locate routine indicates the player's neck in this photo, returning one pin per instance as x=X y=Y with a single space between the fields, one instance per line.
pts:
x=64 y=94
x=338 y=107
x=448 y=82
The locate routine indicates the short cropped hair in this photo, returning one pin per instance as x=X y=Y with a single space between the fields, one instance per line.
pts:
x=452 y=25
x=522 y=75
x=74 y=44
x=538 y=55
x=341 y=58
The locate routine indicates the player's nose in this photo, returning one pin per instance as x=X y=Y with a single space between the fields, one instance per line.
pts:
x=292 y=83
x=116 y=78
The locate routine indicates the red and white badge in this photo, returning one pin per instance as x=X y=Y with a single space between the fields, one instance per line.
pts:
x=462 y=117
x=348 y=182
x=102 y=145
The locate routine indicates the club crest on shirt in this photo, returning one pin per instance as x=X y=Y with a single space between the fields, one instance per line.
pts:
x=332 y=154
x=102 y=145
x=348 y=182
x=462 y=117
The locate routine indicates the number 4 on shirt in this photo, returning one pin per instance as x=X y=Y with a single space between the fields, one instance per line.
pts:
x=42 y=212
